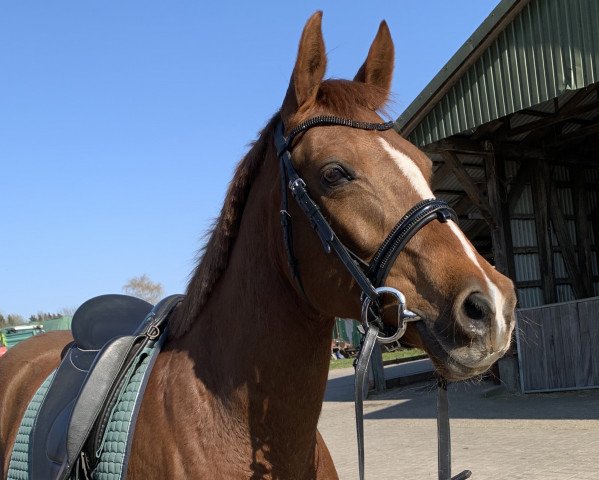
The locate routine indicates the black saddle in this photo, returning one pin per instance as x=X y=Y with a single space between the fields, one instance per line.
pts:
x=108 y=332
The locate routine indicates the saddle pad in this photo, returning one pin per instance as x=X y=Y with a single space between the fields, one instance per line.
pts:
x=117 y=439
x=18 y=468
x=118 y=435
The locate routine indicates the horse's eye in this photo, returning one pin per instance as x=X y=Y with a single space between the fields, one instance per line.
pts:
x=334 y=174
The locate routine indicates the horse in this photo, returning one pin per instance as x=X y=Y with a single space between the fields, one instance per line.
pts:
x=238 y=387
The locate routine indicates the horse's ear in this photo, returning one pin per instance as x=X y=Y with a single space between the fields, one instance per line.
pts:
x=378 y=67
x=309 y=69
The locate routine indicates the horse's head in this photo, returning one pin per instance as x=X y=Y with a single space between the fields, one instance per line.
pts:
x=365 y=181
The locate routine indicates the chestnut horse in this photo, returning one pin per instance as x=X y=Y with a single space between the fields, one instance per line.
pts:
x=238 y=388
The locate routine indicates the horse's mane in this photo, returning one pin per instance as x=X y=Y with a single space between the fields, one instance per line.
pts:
x=339 y=96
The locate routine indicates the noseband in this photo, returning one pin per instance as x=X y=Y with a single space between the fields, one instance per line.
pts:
x=371 y=276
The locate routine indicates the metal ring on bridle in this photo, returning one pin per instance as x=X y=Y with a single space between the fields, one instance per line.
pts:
x=403 y=315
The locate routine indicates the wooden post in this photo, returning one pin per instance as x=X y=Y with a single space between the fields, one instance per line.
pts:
x=501 y=232
x=539 y=195
x=519 y=183
x=582 y=228
x=565 y=244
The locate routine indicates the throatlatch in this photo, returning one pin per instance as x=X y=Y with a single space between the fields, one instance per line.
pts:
x=369 y=277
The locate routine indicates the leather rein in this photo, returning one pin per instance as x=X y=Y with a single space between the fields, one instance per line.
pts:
x=371 y=276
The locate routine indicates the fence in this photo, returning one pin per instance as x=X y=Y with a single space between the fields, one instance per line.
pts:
x=558 y=346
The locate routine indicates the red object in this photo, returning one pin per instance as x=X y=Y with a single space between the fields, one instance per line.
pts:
x=3 y=350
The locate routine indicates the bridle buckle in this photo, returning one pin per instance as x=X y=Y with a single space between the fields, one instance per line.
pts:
x=404 y=316
x=297 y=183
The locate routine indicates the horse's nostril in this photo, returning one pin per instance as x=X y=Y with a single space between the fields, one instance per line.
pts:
x=476 y=306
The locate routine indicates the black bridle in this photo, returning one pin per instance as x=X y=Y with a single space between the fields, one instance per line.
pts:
x=371 y=276
x=368 y=276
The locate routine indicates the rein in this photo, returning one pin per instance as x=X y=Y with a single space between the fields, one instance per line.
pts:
x=370 y=277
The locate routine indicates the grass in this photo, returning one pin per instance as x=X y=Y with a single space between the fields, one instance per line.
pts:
x=394 y=357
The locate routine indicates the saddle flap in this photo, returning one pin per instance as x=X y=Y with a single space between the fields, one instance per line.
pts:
x=98 y=385
x=105 y=317
x=47 y=446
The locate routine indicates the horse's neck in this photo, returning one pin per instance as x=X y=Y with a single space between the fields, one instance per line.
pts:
x=257 y=354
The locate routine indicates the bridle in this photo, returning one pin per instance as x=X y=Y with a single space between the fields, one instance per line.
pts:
x=370 y=276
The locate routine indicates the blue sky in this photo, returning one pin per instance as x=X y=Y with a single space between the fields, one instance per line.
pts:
x=121 y=123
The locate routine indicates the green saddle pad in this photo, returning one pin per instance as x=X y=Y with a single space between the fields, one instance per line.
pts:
x=117 y=439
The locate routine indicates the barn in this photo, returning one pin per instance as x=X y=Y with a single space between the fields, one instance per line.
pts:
x=511 y=124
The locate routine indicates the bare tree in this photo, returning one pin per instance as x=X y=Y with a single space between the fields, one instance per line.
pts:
x=13 y=319
x=68 y=311
x=143 y=287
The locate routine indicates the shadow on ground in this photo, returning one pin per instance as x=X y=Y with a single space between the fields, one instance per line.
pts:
x=470 y=400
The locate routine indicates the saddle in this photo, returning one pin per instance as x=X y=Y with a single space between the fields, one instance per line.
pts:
x=112 y=333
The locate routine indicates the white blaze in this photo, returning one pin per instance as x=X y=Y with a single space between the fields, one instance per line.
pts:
x=420 y=185
x=493 y=290
x=409 y=169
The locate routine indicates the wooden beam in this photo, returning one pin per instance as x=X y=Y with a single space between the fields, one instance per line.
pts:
x=565 y=244
x=539 y=195
x=475 y=166
x=582 y=227
x=501 y=235
x=495 y=204
x=535 y=113
x=462 y=205
x=549 y=121
x=574 y=135
x=448 y=191
x=488 y=130
x=576 y=99
x=440 y=175
x=469 y=187
x=458 y=144
x=595 y=227
x=519 y=183
x=517 y=150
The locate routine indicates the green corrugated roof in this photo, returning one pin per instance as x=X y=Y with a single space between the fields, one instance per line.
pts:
x=62 y=323
x=524 y=53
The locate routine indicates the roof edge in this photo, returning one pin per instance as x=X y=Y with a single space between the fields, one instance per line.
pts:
x=458 y=64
